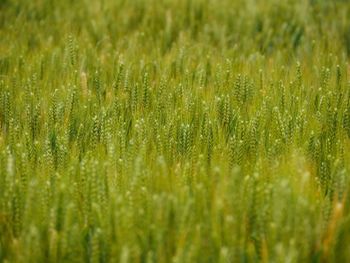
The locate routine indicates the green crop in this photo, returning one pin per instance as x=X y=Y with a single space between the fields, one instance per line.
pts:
x=174 y=131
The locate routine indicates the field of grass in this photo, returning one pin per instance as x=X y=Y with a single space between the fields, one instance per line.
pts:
x=174 y=131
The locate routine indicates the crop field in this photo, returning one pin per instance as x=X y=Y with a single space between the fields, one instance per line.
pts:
x=175 y=131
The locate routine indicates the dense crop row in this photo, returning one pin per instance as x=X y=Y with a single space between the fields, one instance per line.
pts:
x=174 y=131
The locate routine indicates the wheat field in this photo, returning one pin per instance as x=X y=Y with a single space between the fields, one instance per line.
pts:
x=174 y=131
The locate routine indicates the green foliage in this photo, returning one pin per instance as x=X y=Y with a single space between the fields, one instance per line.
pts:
x=174 y=131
